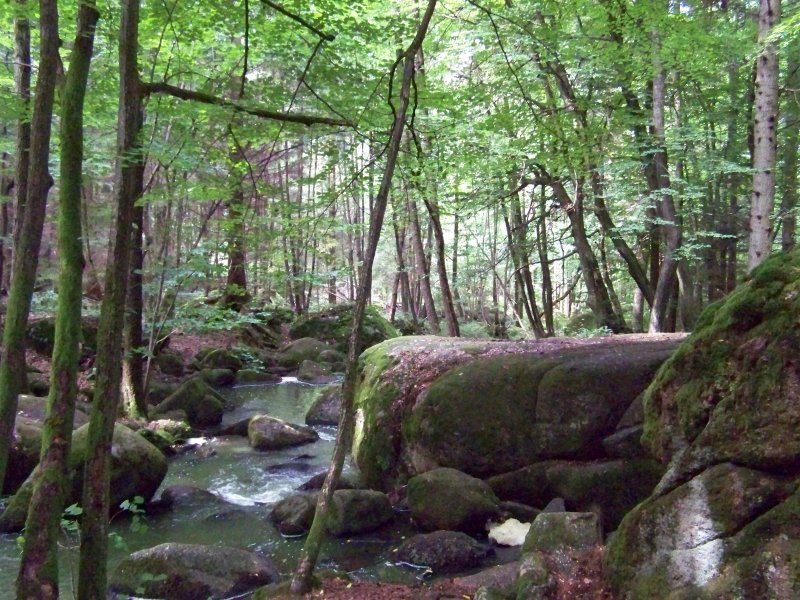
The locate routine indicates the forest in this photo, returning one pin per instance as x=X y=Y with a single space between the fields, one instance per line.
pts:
x=222 y=172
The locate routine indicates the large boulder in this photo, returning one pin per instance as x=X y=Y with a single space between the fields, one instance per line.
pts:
x=294 y=353
x=487 y=408
x=327 y=407
x=333 y=325
x=687 y=537
x=137 y=469
x=443 y=551
x=293 y=515
x=203 y=405
x=608 y=488
x=313 y=372
x=221 y=359
x=192 y=572
x=448 y=499
x=26 y=444
x=357 y=511
x=271 y=433
x=724 y=414
x=41 y=335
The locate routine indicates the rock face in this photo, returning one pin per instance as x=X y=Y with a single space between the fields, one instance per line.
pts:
x=137 y=469
x=487 y=408
x=333 y=325
x=448 y=499
x=724 y=413
x=327 y=407
x=608 y=488
x=192 y=572
x=270 y=433
x=443 y=551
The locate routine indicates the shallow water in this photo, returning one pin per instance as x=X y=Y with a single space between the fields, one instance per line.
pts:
x=245 y=484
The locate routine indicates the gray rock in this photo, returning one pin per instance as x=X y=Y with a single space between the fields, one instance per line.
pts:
x=314 y=372
x=245 y=376
x=554 y=530
x=293 y=515
x=443 y=551
x=327 y=407
x=169 y=363
x=306 y=348
x=192 y=572
x=203 y=405
x=357 y=511
x=449 y=499
x=270 y=433
x=218 y=377
x=625 y=443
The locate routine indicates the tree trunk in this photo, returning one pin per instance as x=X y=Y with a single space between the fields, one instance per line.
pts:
x=791 y=139
x=765 y=137
x=667 y=278
x=441 y=267
x=301 y=582
x=92 y=571
x=22 y=75
x=13 y=372
x=38 y=572
x=134 y=404
x=423 y=272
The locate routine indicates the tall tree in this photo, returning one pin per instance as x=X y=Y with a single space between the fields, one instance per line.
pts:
x=791 y=139
x=38 y=573
x=765 y=132
x=92 y=574
x=13 y=373
x=301 y=581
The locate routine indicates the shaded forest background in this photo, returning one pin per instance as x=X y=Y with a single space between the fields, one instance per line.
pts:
x=547 y=144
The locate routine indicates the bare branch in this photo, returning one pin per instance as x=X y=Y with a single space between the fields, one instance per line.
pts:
x=298 y=19
x=162 y=87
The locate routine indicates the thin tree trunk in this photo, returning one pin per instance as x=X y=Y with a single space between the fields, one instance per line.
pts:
x=134 y=404
x=667 y=278
x=765 y=137
x=301 y=581
x=791 y=139
x=22 y=76
x=423 y=272
x=441 y=267
x=38 y=572
x=92 y=570
x=13 y=373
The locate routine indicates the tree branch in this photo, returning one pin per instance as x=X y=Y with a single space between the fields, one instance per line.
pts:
x=162 y=87
x=298 y=19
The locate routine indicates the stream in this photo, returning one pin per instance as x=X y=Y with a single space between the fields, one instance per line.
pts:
x=245 y=483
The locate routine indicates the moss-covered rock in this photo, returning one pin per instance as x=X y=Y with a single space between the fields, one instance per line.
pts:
x=203 y=405
x=552 y=531
x=314 y=372
x=491 y=407
x=449 y=499
x=357 y=511
x=191 y=572
x=169 y=363
x=41 y=335
x=271 y=433
x=293 y=514
x=221 y=359
x=294 y=353
x=26 y=444
x=333 y=325
x=731 y=392
x=218 y=377
x=685 y=538
x=137 y=469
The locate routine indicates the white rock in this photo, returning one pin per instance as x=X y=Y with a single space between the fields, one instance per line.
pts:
x=509 y=533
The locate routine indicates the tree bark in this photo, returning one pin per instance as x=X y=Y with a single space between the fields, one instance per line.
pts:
x=38 y=573
x=134 y=404
x=301 y=581
x=13 y=372
x=423 y=272
x=791 y=139
x=765 y=137
x=92 y=570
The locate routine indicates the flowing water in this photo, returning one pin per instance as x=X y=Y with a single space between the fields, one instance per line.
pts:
x=244 y=483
